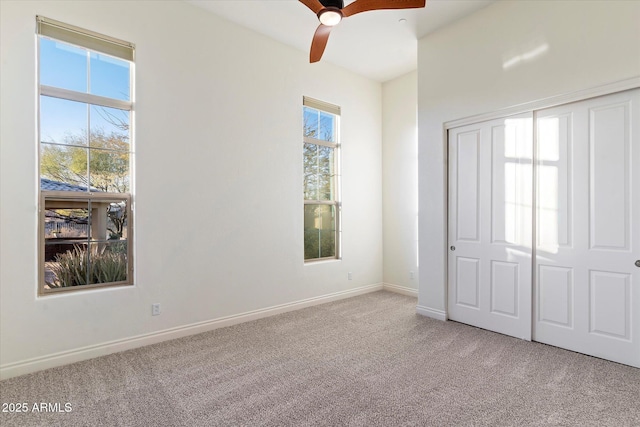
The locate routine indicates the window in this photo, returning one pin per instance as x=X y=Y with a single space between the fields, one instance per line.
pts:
x=85 y=155
x=321 y=164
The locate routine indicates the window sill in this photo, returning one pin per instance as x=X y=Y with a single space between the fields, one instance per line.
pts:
x=73 y=290
x=321 y=261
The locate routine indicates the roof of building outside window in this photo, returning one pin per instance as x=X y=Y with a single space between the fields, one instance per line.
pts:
x=49 y=185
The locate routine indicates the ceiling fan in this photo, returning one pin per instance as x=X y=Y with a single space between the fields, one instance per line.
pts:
x=331 y=12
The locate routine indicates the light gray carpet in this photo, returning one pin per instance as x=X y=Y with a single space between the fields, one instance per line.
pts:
x=364 y=361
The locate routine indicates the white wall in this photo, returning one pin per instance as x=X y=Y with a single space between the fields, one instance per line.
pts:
x=218 y=197
x=460 y=73
x=400 y=180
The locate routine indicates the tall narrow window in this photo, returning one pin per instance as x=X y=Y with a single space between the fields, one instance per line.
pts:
x=321 y=163
x=85 y=121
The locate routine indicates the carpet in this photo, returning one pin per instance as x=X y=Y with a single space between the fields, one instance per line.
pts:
x=363 y=361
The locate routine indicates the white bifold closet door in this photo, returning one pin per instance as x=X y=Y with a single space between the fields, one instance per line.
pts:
x=582 y=289
x=587 y=286
x=490 y=225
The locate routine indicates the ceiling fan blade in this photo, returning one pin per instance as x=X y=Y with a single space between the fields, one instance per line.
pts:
x=314 y=5
x=319 y=42
x=366 y=5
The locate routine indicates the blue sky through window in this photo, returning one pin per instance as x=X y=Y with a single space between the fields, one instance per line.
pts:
x=318 y=124
x=70 y=67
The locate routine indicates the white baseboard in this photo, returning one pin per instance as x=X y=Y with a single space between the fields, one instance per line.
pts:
x=84 y=353
x=431 y=312
x=400 y=289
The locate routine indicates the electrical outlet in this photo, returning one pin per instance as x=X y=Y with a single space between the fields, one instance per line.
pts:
x=350 y=275
x=411 y=276
x=155 y=309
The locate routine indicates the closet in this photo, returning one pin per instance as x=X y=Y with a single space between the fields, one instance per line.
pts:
x=544 y=226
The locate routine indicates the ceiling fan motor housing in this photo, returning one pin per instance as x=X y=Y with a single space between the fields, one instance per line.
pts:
x=333 y=3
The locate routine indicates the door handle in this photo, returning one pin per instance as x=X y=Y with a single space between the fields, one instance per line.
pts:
x=453 y=248
x=638 y=263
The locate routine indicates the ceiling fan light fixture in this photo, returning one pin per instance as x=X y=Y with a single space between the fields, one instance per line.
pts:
x=330 y=16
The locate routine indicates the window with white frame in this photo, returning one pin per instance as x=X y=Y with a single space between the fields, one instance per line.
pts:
x=321 y=165
x=85 y=156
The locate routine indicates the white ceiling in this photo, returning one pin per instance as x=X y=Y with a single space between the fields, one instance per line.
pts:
x=374 y=44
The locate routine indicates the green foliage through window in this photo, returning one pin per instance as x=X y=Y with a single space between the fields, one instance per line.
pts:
x=102 y=264
x=319 y=231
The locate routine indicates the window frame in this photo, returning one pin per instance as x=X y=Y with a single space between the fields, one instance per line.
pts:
x=101 y=44
x=335 y=145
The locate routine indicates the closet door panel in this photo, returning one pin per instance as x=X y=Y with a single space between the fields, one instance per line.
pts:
x=587 y=286
x=490 y=225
